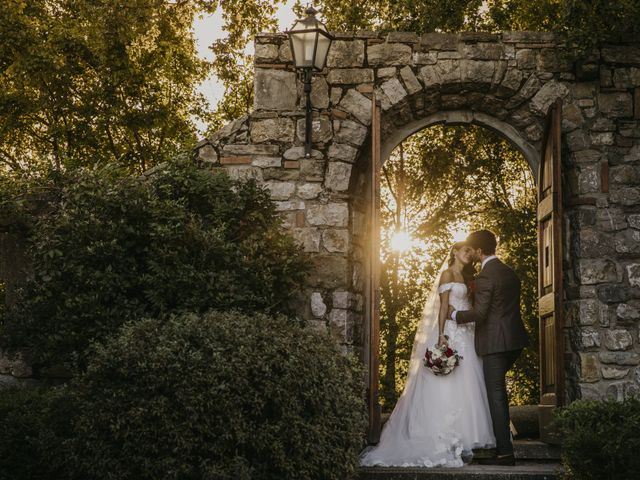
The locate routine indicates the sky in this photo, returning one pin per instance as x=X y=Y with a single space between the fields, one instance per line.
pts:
x=208 y=28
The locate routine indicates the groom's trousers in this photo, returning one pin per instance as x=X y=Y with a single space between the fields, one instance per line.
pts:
x=495 y=366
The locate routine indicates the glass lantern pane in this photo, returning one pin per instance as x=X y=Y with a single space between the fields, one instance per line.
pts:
x=322 y=51
x=297 y=46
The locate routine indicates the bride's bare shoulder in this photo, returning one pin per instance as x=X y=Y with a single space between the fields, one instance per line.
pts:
x=446 y=277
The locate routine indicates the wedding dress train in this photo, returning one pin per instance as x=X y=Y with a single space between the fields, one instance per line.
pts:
x=438 y=420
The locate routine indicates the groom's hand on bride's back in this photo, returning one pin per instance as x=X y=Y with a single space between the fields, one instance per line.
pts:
x=451 y=310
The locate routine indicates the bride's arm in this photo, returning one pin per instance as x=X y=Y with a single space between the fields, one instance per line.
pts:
x=443 y=313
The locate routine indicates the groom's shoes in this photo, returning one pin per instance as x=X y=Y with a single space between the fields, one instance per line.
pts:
x=508 y=460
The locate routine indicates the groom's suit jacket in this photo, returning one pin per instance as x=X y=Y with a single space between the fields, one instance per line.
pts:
x=496 y=310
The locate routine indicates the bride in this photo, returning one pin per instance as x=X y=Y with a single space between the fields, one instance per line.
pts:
x=438 y=420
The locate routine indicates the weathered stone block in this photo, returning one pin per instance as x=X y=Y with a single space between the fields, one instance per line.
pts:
x=348 y=131
x=280 y=190
x=483 y=51
x=628 y=241
x=628 y=312
x=589 y=338
x=589 y=371
x=599 y=270
x=442 y=73
x=477 y=71
x=548 y=94
x=552 y=60
x=320 y=93
x=625 y=174
x=312 y=170
x=622 y=55
x=389 y=54
x=280 y=129
x=348 y=76
x=439 y=41
x=594 y=243
x=612 y=373
x=425 y=58
x=578 y=140
x=612 y=293
x=309 y=191
x=411 y=82
x=207 y=154
x=584 y=312
x=266 y=162
x=341 y=299
x=331 y=214
x=275 y=90
x=616 y=105
x=342 y=152
x=297 y=153
x=309 y=238
x=394 y=90
x=589 y=180
x=265 y=53
x=386 y=72
x=633 y=273
x=338 y=176
x=243 y=150
x=321 y=131
x=526 y=58
x=346 y=53
x=618 y=340
x=626 y=196
x=318 y=307
x=357 y=105
x=335 y=240
x=289 y=205
x=620 y=358
x=329 y=271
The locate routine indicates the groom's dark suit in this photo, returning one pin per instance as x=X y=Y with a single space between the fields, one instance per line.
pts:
x=500 y=337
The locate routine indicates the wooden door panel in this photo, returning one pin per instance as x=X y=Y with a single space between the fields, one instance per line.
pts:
x=373 y=434
x=550 y=285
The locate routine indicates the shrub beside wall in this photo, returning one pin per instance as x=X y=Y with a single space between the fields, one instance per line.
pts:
x=107 y=249
x=219 y=396
x=601 y=440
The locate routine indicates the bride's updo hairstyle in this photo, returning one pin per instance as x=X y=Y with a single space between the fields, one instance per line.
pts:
x=468 y=271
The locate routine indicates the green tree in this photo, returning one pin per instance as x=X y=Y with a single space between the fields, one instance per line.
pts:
x=86 y=82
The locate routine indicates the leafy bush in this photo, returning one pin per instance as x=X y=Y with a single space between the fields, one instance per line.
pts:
x=600 y=439
x=219 y=396
x=34 y=423
x=109 y=249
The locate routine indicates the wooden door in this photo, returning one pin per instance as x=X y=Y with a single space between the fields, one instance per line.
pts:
x=550 y=272
x=373 y=434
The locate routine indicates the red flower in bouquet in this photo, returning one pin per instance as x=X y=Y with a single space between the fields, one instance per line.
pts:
x=442 y=359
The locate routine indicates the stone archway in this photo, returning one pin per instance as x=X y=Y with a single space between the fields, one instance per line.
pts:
x=505 y=82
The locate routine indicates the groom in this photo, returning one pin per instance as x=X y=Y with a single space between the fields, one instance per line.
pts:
x=500 y=334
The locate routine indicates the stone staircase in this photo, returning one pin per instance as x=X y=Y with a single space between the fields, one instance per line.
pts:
x=535 y=460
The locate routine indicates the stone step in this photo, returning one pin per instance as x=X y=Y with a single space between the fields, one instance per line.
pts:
x=528 y=450
x=522 y=471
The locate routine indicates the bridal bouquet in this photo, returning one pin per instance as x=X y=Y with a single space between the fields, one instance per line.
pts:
x=442 y=359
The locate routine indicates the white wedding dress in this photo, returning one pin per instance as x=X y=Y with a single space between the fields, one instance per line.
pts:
x=438 y=420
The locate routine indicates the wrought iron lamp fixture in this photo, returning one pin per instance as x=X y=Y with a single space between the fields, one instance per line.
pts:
x=310 y=42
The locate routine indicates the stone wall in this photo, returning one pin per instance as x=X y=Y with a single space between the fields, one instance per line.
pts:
x=505 y=82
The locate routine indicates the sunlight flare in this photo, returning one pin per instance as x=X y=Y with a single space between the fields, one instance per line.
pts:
x=401 y=241
x=460 y=233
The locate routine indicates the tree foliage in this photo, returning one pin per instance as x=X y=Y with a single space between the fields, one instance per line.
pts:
x=110 y=249
x=85 y=82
